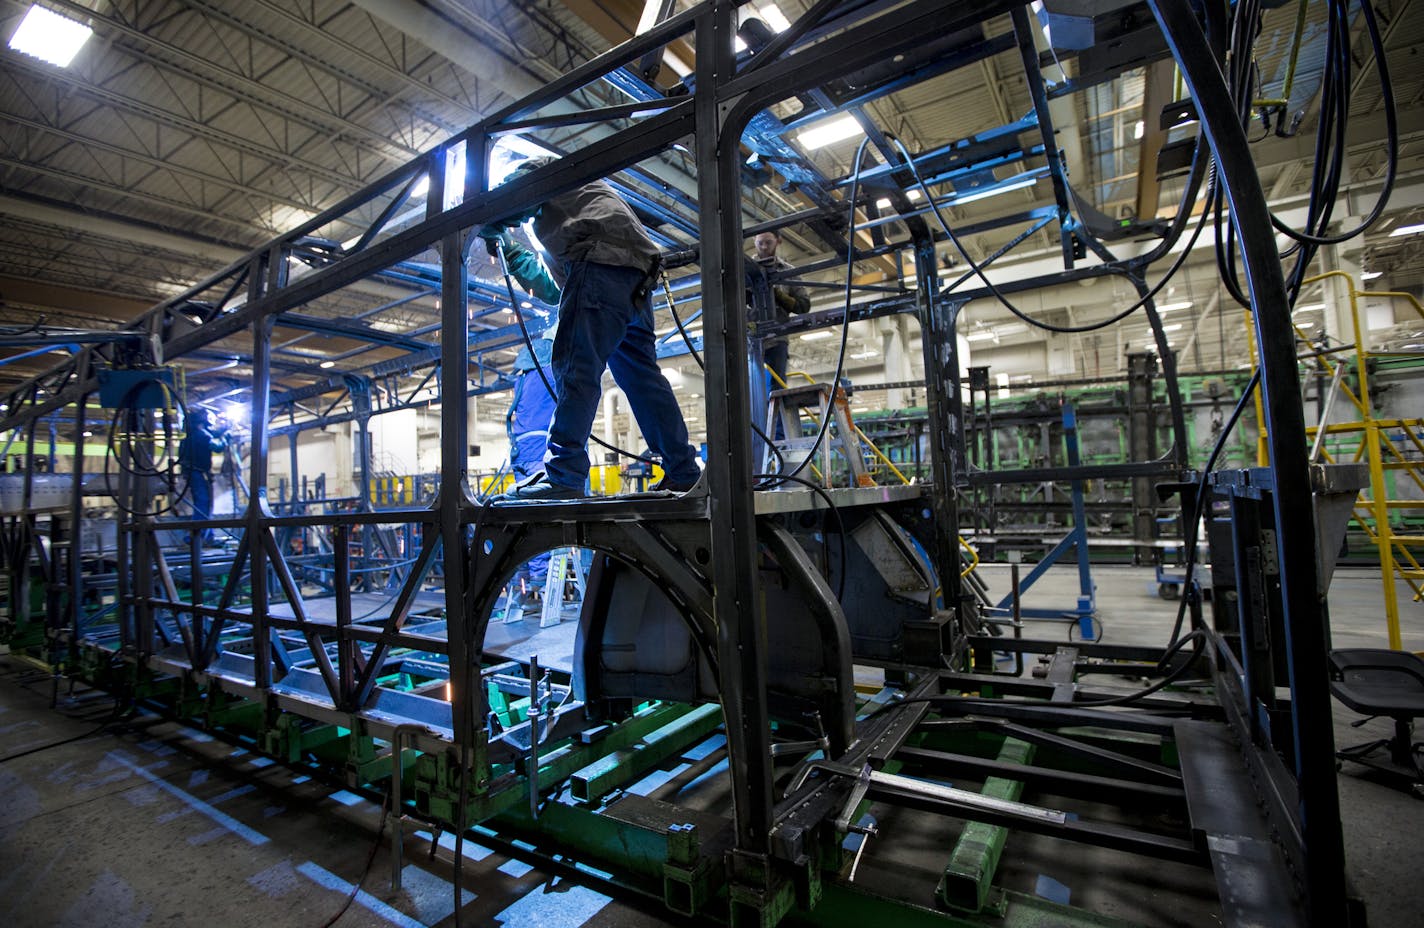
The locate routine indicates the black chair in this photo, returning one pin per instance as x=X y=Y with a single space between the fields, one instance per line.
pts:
x=1377 y=682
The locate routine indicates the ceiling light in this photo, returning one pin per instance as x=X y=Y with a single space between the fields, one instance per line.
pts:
x=1305 y=325
x=525 y=304
x=673 y=375
x=1371 y=275
x=88 y=434
x=816 y=336
x=1018 y=183
x=1408 y=230
x=46 y=35
x=1310 y=308
x=1168 y=307
x=862 y=355
x=1139 y=129
x=829 y=131
x=1013 y=328
x=882 y=203
x=509 y=310
x=421 y=188
x=773 y=17
x=694 y=396
x=981 y=336
x=1172 y=328
x=326 y=365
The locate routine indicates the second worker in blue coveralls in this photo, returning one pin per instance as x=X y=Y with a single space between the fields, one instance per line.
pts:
x=605 y=264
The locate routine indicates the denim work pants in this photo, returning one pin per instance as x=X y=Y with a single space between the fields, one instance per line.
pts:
x=601 y=324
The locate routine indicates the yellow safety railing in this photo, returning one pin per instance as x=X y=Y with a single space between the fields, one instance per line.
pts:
x=1393 y=448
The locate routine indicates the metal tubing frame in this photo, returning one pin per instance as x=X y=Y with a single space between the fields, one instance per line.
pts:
x=724 y=101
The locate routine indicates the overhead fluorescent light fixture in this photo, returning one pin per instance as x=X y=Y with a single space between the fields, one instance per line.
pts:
x=1018 y=183
x=1408 y=230
x=982 y=335
x=327 y=365
x=816 y=336
x=1168 y=307
x=1172 y=328
x=865 y=355
x=1371 y=275
x=46 y=35
x=771 y=15
x=829 y=131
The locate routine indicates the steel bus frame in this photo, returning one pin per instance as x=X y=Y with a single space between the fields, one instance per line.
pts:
x=244 y=654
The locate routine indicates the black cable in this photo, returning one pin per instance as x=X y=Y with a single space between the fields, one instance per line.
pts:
x=54 y=744
x=1200 y=504
x=1123 y=700
x=998 y=294
x=366 y=870
x=825 y=424
x=1391 y=122
x=114 y=716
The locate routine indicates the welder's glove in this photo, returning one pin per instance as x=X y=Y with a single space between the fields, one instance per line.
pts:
x=493 y=237
x=785 y=300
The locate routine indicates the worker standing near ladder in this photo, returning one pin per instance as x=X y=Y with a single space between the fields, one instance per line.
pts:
x=605 y=264
x=785 y=302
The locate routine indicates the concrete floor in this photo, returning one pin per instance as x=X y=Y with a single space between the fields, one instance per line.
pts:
x=153 y=823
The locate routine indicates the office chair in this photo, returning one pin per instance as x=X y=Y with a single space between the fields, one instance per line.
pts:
x=1378 y=682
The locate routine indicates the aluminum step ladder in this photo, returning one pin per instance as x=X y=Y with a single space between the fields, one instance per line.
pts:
x=784 y=408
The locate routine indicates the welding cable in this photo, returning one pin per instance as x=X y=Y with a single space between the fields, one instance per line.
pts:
x=825 y=424
x=1200 y=503
x=1197 y=637
x=1143 y=302
x=127 y=408
x=366 y=870
x=54 y=744
x=1391 y=123
x=120 y=705
x=529 y=344
x=835 y=511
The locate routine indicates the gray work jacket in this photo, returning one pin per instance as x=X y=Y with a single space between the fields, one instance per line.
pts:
x=592 y=223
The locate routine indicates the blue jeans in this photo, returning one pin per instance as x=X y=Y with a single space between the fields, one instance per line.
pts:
x=602 y=324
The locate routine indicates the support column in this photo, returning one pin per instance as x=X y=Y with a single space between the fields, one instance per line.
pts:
x=1303 y=607
x=737 y=603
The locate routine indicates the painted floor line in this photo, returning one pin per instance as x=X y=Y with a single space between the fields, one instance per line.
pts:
x=328 y=880
x=222 y=818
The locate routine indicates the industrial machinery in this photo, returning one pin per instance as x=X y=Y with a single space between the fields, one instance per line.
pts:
x=819 y=643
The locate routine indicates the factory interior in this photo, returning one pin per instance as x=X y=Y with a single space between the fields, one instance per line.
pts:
x=1004 y=496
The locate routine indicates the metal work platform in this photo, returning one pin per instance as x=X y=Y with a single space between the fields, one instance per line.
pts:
x=734 y=611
